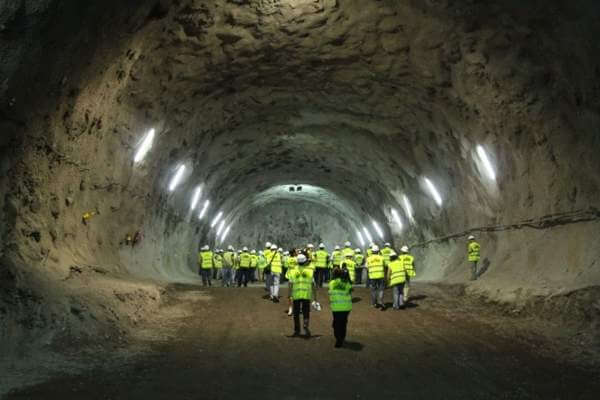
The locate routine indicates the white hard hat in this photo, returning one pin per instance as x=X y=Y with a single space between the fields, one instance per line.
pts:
x=404 y=249
x=239 y=251
x=273 y=247
x=286 y=253
x=322 y=246
x=245 y=248
x=387 y=244
x=310 y=246
x=375 y=248
x=371 y=244
x=253 y=252
x=205 y=248
x=471 y=237
x=280 y=249
x=301 y=259
x=347 y=244
x=393 y=254
x=357 y=250
x=337 y=247
x=230 y=248
x=267 y=245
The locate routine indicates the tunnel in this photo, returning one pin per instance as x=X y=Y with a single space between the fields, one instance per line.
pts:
x=134 y=133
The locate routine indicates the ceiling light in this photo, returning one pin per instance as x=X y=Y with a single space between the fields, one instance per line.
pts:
x=434 y=193
x=221 y=225
x=367 y=234
x=216 y=220
x=397 y=218
x=177 y=178
x=225 y=233
x=203 y=211
x=360 y=238
x=376 y=226
x=408 y=209
x=196 y=197
x=486 y=163
x=145 y=146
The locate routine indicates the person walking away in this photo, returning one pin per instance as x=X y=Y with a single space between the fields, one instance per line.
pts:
x=292 y=265
x=321 y=263
x=205 y=261
x=340 y=301
x=376 y=278
x=349 y=265
x=253 y=265
x=347 y=250
x=218 y=265
x=336 y=260
x=267 y=271
x=359 y=260
x=396 y=278
x=244 y=272
x=369 y=254
x=303 y=290
x=284 y=265
x=275 y=265
x=261 y=264
x=474 y=254
x=228 y=259
x=409 y=266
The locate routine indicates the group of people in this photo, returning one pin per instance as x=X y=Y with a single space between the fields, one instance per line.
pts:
x=307 y=269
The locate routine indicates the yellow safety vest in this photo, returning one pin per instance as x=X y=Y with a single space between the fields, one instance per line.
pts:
x=359 y=258
x=474 y=251
x=346 y=251
x=228 y=258
x=245 y=260
x=408 y=262
x=375 y=266
x=336 y=258
x=302 y=280
x=322 y=256
x=350 y=266
x=397 y=272
x=253 y=260
x=276 y=264
x=205 y=258
x=340 y=297
x=386 y=252
x=262 y=262
x=218 y=261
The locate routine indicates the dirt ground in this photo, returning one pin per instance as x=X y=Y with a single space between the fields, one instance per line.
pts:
x=233 y=343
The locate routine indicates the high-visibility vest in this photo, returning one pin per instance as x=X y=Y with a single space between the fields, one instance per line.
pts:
x=340 y=297
x=375 y=266
x=336 y=258
x=284 y=261
x=350 y=266
x=262 y=262
x=276 y=264
x=218 y=261
x=302 y=280
x=292 y=262
x=228 y=259
x=408 y=262
x=397 y=271
x=386 y=252
x=474 y=251
x=245 y=260
x=346 y=251
x=205 y=258
x=253 y=260
x=359 y=258
x=321 y=261
x=369 y=253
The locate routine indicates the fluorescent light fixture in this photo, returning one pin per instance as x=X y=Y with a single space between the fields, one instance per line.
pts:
x=216 y=220
x=487 y=165
x=367 y=234
x=377 y=229
x=408 y=208
x=397 y=218
x=177 y=178
x=360 y=238
x=434 y=193
x=225 y=234
x=145 y=146
x=196 y=197
x=204 y=208
x=220 y=228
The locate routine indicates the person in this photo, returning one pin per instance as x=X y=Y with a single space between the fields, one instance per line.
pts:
x=340 y=301
x=321 y=263
x=236 y=266
x=385 y=252
x=253 y=265
x=218 y=265
x=302 y=287
x=275 y=267
x=347 y=250
x=376 y=278
x=369 y=254
x=396 y=277
x=205 y=261
x=261 y=264
x=474 y=255
x=284 y=265
x=349 y=265
x=359 y=260
x=244 y=272
x=336 y=260
x=292 y=265
x=409 y=266
x=267 y=271
x=228 y=259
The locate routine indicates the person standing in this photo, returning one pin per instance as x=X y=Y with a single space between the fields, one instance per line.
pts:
x=359 y=260
x=253 y=265
x=292 y=265
x=284 y=265
x=321 y=263
x=205 y=261
x=228 y=259
x=244 y=271
x=349 y=265
x=340 y=301
x=302 y=287
x=261 y=264
x=347 y=250
x=408 y=261
x=396 y=278
x=276 y=268
x=218 y=265
x=336 y=260
x=267 y=271
x=376 y=278
x=474 y=255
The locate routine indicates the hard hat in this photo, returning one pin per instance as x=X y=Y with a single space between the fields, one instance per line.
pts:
x=347 y=244
x=322 y=246
x=253 y=252
x=273 y=247
x=302 y=259
x=357 y=250
x=337 y=247
x=404 y=249
x=220 y=251
x=388 y=244
x=375 y=248
x=286 y=253
x=205 y=248
x=310 y=246
x=261 y=252
x=245 y=248
x=471 y=237
x=239 y=251
x=280 y=249
x=267 y=245
x=230 y=248
x=393 y=255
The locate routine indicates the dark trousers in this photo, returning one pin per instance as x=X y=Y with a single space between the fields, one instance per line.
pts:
x=320 y=276
x=340 y=323
x=206 y=274
x=252 y=277
x=242 y=278
x=303 y=305
x=358 y=271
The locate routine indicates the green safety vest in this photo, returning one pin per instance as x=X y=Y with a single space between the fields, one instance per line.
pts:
x=322 y=256
x=302 y=281
x=228 y=258
x=350 y=266
x=262 y=262
x=336 y=257
x=276 y=263
x=253 y=260
x=218 y=261
x=359 y=258
x=245 y=260
x=409 y=266
x=375 y=266
x=473 y=250
x=346 y=251
x=386 y=252
x=397 y=272
x=340 y=297
x=206 y=258
x=369 y=253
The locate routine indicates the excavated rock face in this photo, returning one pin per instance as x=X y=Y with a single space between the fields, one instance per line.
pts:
x=358 y=100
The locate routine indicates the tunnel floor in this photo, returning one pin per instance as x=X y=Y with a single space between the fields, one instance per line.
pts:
x=233 y=343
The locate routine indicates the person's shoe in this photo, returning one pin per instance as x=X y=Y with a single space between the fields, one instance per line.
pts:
x=338 y=344
x=296 y=334
x=290 y=312
x=275 y=300
x=382 y=307
x=307 y=332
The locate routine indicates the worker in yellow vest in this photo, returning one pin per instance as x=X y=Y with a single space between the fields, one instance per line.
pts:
x=310 y=252
x=228 y=260
x=386 y=252
x=262 y=263
x=347 y=250
x=218 y=265
x=292 y=262
x=253 y=265
x=267 y=270
x=244 y=272
x=284 y=266
x=369 y=254
x=236 y=266
x=340 y=301
x=349 y=266
x=397 y=277
x=275 y=265
x=359 y=260
x=336 y=260
x=321 y=264
x=474 y=255
x=205 y=262
x=302 y=286
x=409 y=266
x=376 y=276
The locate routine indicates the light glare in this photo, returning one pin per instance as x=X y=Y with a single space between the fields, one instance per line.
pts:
x=408 y=208
x=377 y=229
x=397 y=218
x=216 y=220
x=360 y=238
x=145 y=146
x=203 y=211
x=177 y=178
x=196 y=198
x=220 y=228
x=434 y=193
x=367 y=234
x=486 y=163
x=225 y=234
